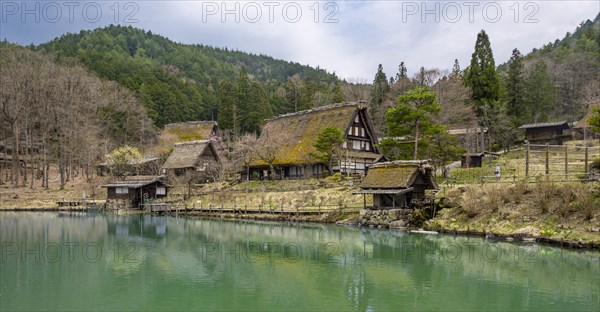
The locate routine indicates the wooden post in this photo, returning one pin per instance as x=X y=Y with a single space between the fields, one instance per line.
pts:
x=527 y=160
x=245 y=208
x=586 y=159
x=547 y=159
x=364 y=201
x=319 y=208
x=566 y=161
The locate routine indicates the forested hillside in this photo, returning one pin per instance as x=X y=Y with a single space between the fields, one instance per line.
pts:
x=559 y=80
x=179 y=82
x=58 y=112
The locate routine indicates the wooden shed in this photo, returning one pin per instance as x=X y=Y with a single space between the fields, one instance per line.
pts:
x=472 y=160
x=398 y=184
x=548 y=132
x=289 y=140
x=196 y=157
x=135 y=192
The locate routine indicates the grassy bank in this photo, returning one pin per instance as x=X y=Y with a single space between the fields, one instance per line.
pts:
x=551 y=211
x=304 y=195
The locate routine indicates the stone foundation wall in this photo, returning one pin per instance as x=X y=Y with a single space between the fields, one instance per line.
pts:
x=392 y=218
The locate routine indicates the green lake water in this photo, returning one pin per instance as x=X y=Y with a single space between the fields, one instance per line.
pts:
x=89 y=261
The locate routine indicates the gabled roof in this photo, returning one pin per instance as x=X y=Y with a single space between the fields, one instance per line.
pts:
x=186 y=154
x=545 y=124
x=294 y=134
x=190 y=130
x=397 y=175
x=134 y=183
x=583 y=123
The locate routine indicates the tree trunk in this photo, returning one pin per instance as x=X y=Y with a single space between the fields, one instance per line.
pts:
x=15 y=156
x=416 y=140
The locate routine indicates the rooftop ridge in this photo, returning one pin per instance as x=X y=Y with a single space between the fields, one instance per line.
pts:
x=401 y=162
x=197 y=142
x=319 y=109
x=197 y=122
x=544 y=124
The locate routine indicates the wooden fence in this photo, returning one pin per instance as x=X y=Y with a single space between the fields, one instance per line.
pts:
x=554 y=163
x=269 y=209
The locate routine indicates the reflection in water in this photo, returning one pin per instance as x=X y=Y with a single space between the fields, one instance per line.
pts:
x=115 y=262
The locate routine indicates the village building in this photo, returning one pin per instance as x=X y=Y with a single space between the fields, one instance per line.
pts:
x=548 y=132
x=398 y=184
x=198 y=158
x=194 y=131
x=472 y=160
x=289 y=140
x=134 y=193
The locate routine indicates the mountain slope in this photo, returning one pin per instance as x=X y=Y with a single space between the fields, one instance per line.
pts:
x=176 y=82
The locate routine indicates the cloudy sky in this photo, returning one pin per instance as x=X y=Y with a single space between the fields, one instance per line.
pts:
x=349 y=38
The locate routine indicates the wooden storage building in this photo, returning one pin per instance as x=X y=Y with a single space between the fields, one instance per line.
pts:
x=135 y=192
x=290 y=139
x=472 y=160
x=398 y=184
x=554 y=133
x=195 y=157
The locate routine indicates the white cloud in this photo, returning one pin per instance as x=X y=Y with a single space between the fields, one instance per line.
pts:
x=365 y=34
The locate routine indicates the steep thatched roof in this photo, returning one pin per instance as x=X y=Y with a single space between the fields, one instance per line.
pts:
x=583 y=123
x=292 y=136
x=186 y=154
x=189 y=131
x=397 y=175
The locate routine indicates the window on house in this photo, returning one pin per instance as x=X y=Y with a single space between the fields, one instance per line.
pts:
x=161 y=190
x=356 y=119
x=356 y=145
x=122 y=190
x=350 y=131
x=368 y=146
x=345 y=145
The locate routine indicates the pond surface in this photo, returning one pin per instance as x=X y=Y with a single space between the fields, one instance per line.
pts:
x=88 y=261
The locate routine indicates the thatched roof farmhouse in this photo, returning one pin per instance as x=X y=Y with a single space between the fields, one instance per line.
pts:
x=192 y=157
x=289 y=141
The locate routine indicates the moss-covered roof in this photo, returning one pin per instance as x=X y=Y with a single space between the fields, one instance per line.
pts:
x=396 y=175
x=292 y=136
x=186 y=154
x=189 y=131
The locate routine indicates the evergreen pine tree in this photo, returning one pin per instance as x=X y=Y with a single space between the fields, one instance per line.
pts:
x=539 y=93
x=378 y=94
x=514 y=87
x=481 y=76
x=402 y=72
x=456 y=72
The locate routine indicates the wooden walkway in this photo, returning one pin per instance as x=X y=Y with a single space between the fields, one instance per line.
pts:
x=164 y=208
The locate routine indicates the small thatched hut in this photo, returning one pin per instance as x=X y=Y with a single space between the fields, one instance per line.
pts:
x=134 y=192
x=547 y=132
x=197 y=157
x=398 y=184
x=289 y=141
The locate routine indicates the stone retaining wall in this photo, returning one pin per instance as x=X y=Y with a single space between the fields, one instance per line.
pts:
x=392 y=218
